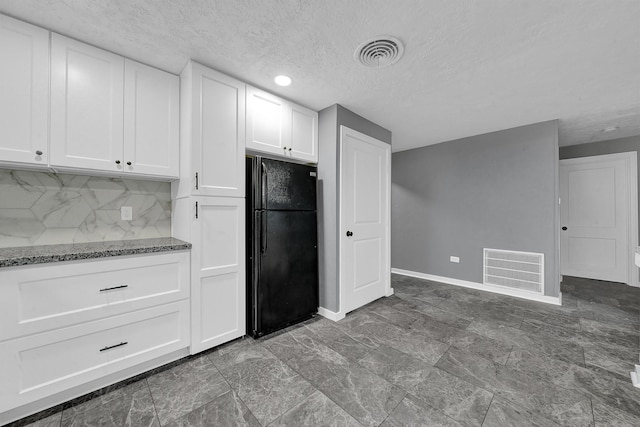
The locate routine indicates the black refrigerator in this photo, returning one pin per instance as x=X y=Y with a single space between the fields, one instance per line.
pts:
x=282 y=244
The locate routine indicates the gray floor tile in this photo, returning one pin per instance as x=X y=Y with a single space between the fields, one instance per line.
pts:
x=365 y=396
x=506 y=414
x=410 y=413
x=265 y=384
x=606 y=416
x=185 y=387
x=458 y=399
x=401 y=369
x=616 y=393
x=566 y=407
x=225 y=410
x=482 y=346
x=516 y=337
x=103 y=400
x=50 y=421
x=618 y=361
x=133 y=410
x=316 y=410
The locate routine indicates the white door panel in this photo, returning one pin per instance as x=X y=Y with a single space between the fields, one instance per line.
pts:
x=87 y=107
x=218 y=266
x=24 y=92
x=595 y=218
x=218 y=133
x=151 y=127
x=364 y=230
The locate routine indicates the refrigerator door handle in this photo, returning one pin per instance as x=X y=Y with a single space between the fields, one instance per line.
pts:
x=263 y=183
x=263 y=232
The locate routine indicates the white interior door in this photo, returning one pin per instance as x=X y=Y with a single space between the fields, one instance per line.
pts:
x=595 y=213
x=365 y=166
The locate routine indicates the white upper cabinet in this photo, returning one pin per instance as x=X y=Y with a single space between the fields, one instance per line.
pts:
x=304 y=134
x=267 y=122
x=279 y=127
x=112 y=114
x=213 y=133
x=151 y=121
x=87 y=89
x=24 y=92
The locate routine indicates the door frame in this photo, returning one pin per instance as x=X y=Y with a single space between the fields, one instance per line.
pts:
x=344 y=130
x=631 y=160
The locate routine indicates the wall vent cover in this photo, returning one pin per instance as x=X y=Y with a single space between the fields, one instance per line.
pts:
x=513 y=269
x=378 y=52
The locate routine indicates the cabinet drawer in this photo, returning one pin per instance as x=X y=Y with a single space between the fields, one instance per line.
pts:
x=38 y=298
x=39 y=365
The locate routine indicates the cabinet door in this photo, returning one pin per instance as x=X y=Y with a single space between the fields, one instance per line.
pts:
x=268 y=119
x=218 y=272
x=24 y=92
x=304 y=134
x=86 y=106
x=151 y=120
x=218 y=133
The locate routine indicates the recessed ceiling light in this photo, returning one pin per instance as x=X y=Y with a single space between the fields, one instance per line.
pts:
x=610 y=129
x=282 y=80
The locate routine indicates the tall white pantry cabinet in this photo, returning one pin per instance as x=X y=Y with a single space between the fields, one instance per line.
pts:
x=209 y=204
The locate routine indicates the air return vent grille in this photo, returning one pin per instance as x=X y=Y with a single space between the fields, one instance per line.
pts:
x=516 y=270
x=379 y=52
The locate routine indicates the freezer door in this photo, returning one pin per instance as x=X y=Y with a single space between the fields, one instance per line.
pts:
x=286 y=186
x=287 y=283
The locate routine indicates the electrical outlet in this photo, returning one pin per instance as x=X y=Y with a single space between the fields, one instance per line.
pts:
x=454 y=259
x=126 y=213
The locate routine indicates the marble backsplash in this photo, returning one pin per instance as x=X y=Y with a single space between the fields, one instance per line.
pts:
x=38 y=208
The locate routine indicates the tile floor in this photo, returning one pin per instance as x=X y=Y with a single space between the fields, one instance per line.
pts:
x=432 y=354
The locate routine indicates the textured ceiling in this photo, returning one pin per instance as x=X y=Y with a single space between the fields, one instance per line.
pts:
x=469 y=67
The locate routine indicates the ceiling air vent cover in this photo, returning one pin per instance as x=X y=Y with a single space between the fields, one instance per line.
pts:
x=379 y=52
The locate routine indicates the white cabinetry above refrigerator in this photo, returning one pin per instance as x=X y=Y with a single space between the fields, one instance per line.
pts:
x=277 y=126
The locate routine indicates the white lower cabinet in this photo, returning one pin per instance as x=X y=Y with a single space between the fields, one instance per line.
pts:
x=218 y=272
x=72 y=324
x=37 y=366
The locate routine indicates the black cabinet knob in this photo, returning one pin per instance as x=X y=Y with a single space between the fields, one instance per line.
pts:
x=117 y=162
x=128 y=163
x=39 y=153
x=564 y=228
x=289 y=148
x=349 y=234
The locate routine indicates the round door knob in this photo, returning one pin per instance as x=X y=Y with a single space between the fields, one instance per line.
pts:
x=564 y=228
x=128 y=163
x=349 y=234
x=117 y=162
x=39 y=153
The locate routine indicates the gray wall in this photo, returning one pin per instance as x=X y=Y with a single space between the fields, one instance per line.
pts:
x=612 y=146
x=330 y=119
x=497 y=190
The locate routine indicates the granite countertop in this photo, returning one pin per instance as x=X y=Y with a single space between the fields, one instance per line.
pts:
x=27 y=255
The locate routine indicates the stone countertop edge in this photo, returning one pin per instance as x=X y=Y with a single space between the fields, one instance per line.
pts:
x=29 y=255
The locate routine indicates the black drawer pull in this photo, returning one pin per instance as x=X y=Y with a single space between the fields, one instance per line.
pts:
x=109 y=347
x=115 y=287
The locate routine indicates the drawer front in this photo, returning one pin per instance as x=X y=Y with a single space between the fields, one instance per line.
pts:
x=40 y=365
x=39 y=298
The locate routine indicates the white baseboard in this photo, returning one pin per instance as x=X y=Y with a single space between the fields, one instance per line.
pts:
x=482 y=287
x=331 y=315
x=389 y=292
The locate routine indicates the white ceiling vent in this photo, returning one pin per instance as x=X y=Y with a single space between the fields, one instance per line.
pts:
x=378 y=52
x=513 y=269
